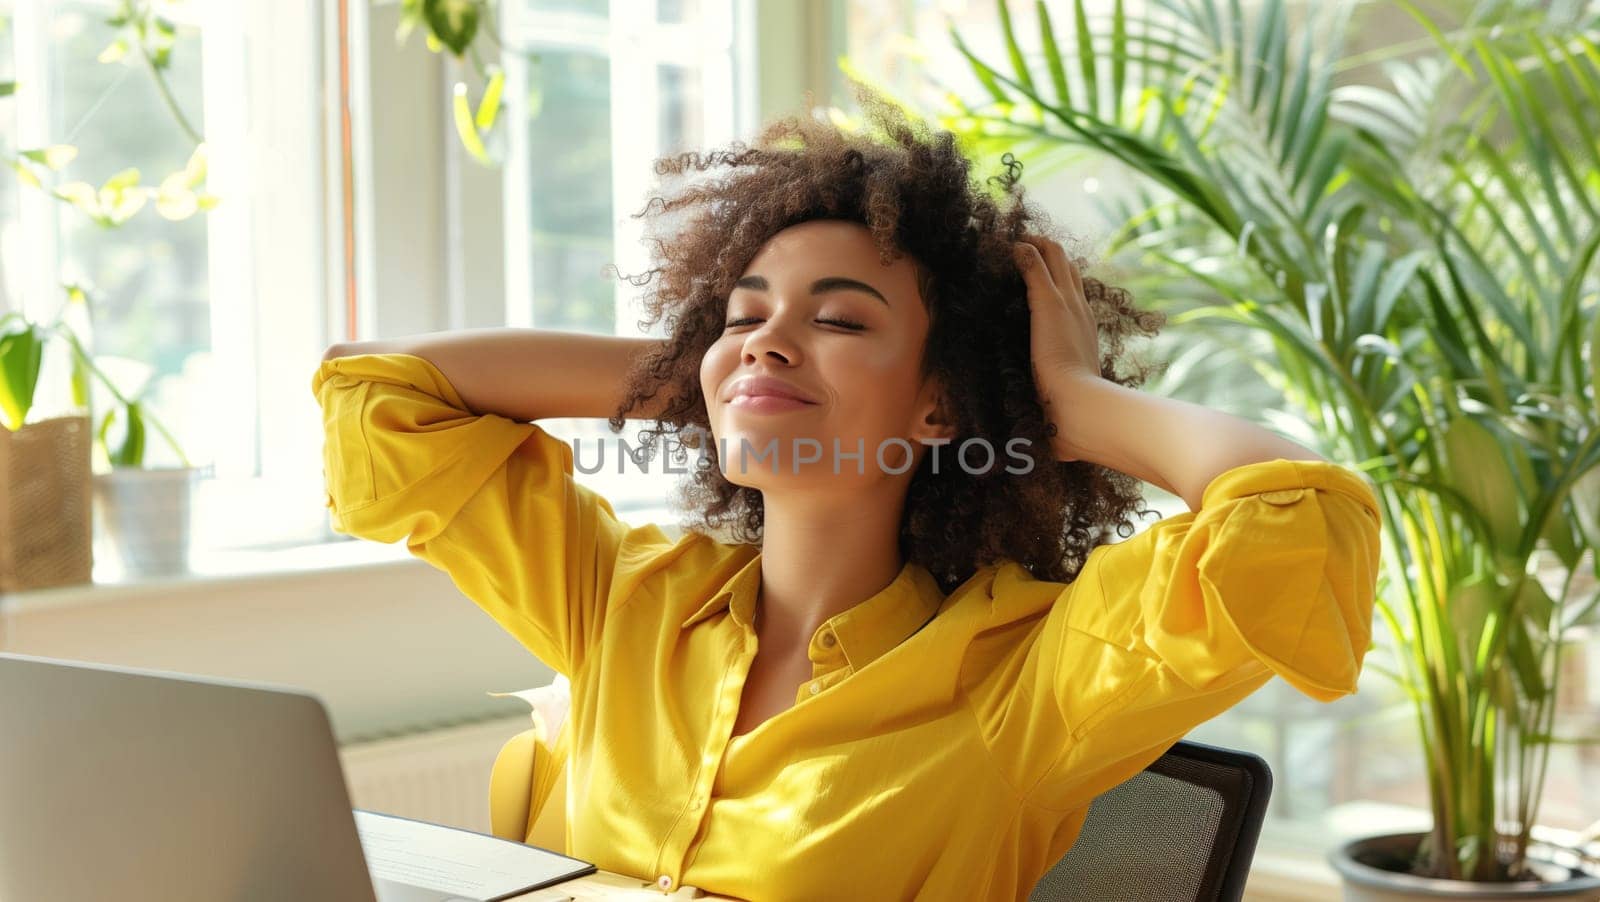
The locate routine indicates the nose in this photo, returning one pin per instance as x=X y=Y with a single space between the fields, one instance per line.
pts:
x=771 y=340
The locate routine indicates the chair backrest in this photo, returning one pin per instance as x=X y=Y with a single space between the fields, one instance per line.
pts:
x=527 y=784
x=1183 y=828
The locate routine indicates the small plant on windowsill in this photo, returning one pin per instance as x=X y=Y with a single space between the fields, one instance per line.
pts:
x=145 y=511
x=46 y=525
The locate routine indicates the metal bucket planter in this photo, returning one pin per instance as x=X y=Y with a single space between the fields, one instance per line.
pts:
x=1373 y=871
x=145 y=517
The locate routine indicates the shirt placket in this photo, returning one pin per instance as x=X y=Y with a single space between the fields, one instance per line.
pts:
x=687 y=829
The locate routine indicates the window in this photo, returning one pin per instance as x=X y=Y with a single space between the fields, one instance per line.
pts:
x=594 y=93
x=181 y=303
x=649 y=80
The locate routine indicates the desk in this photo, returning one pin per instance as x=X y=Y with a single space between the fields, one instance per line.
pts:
x=605 y=885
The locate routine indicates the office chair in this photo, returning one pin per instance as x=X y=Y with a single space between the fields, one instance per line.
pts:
x=1183 y=828
x=527 y=784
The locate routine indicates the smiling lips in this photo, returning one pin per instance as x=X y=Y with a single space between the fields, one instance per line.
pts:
x=768 y=392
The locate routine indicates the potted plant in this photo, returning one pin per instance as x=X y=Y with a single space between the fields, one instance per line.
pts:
x=145 y=512
x=45 y=519
x=1413 y=257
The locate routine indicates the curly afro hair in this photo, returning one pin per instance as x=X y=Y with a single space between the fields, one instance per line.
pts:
x=911 y=189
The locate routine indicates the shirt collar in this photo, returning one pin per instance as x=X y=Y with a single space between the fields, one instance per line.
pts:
x=863 y=633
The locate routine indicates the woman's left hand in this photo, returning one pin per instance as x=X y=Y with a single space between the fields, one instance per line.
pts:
x=1064 y=339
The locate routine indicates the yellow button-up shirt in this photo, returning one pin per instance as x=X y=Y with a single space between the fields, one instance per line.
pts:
x=945 y=746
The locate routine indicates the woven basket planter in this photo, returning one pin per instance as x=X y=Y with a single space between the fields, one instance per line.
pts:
x=46 y=513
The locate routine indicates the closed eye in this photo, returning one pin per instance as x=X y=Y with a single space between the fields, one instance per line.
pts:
x=842 y=323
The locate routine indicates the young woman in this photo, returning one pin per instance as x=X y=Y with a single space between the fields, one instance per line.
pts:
x=898 y=672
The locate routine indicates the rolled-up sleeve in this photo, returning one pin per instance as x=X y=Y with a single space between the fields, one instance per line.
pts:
x=1275 y=574
x=490 y=501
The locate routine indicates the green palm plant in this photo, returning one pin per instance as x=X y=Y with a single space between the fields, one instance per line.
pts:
x=1419 y=255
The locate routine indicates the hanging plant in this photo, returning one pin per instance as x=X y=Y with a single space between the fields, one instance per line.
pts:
x=457 y=26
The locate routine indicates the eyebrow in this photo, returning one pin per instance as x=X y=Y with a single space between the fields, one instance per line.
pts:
x=820 y=286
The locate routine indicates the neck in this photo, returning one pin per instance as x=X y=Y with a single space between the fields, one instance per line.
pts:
x=822 y=554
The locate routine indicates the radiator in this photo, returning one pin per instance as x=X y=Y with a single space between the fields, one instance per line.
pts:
x=439 y=775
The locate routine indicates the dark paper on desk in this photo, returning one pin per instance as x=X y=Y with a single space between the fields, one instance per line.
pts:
x=459 y=862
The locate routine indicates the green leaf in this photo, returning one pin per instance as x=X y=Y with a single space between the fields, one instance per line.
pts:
x=54 y=157
x=194 y=171
x=470 y=139
x=980 y=69
x=129 y=449
x=25 y=174
x=1560 y=535
x=1399 y=277
x=1285 y=120
x=1052 y=54
x=1594 y=373
x=1086 y=58
x=120 y=206
x=453 y=22
x=1534 y=605
x=82 y=367
x=21 y=354
x=1586 y=507
x=489 y=106
x=1470 y=604
x=1522 y=649
x=80 y=382
x=1271 y=39
x=81 y=195
x=1479 y=470
x=1119 y=58
x=114 y=51
x=174 y=201
x=1018 y=65
x=122 y=181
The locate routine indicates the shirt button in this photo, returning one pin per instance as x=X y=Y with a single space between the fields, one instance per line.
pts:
x=664 y=881
x=697 y=804
x=815 y=688
x=829 y=640
x=1282 y=497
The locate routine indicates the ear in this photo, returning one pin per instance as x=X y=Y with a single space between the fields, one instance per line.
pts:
x=934 y=422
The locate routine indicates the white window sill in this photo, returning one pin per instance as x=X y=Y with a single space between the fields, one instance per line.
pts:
x=221 y=568
x=214 y=568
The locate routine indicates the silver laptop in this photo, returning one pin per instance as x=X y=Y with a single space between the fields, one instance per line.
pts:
x=140 y=785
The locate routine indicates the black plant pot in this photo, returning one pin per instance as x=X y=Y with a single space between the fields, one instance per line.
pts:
x=1373 y=869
